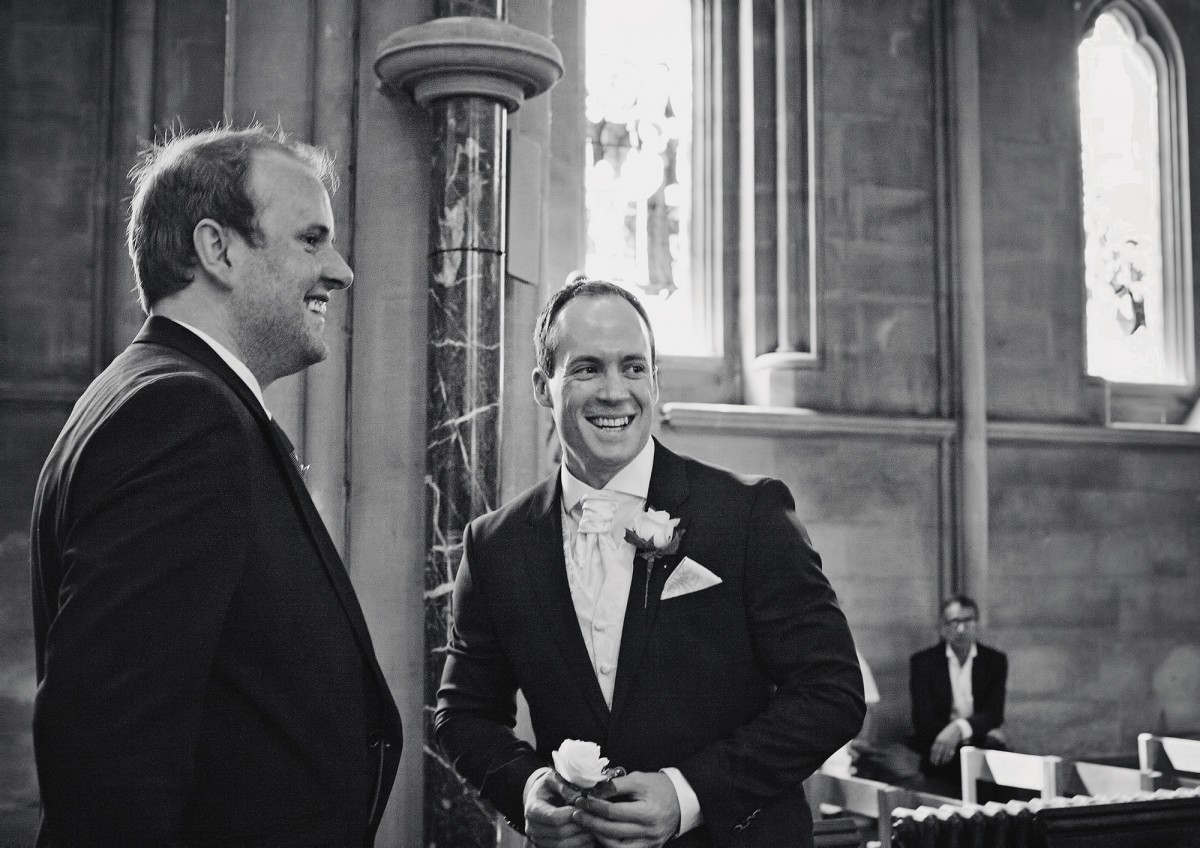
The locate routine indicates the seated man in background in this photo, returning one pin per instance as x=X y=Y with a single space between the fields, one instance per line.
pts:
x=957 y=689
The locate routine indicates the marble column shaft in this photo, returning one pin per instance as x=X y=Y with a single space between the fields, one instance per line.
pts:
x=463 y=403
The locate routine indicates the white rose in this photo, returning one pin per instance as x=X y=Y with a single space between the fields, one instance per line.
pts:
x=579 y=763
x=655 y=526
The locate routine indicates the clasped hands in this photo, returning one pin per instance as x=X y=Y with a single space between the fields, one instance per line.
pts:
x=641 y=812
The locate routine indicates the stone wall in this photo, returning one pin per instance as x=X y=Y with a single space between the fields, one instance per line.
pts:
x=1094 y=587
x=876 y=211
x=52 y=126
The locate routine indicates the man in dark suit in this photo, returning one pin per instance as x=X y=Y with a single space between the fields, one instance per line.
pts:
x=205 y=674
x=720 y=674
x=957 y=689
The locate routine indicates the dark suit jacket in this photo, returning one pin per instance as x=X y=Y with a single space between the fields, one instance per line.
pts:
x=929 y=684
x=746 y=687
x=205 y=673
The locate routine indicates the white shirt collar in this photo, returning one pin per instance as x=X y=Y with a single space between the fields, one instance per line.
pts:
x=633 y=479
x=232 y=361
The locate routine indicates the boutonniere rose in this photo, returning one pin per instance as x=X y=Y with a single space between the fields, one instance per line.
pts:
x=654 y=535
x=580 y=765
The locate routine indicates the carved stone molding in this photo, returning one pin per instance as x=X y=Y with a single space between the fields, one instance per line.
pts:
x=469 y=56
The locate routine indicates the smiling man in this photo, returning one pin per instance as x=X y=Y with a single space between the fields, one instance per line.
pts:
x=205 y=673
x=671 y=612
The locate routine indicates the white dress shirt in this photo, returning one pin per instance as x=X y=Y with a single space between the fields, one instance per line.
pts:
x=962 y=695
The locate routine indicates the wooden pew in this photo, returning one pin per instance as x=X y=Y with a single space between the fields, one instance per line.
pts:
x=1036 y=772
x=857 y=795
x=1177 y=760
x=868 y=799
x=1102 y=780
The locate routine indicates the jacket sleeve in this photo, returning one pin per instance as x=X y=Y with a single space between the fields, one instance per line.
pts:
x=802 y=641
x=153 y=534
x=477 y=705
x=928 y=716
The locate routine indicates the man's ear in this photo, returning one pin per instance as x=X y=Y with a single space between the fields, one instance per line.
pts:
x=541 y=389
x=212 y=244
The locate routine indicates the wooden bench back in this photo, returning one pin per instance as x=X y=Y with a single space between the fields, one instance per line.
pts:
x=1035 y=772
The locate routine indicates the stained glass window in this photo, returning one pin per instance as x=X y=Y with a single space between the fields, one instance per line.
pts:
x=1122 y=205
x=639 y=160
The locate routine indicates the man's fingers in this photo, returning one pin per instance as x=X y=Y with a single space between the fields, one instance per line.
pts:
x=557 y=829
x=607 y=828
x=566 y=791
x=595 y=806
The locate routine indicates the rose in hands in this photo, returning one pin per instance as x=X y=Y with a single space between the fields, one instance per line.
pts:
x=579 y=763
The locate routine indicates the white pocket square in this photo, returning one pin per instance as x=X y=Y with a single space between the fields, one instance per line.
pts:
x=689 y=576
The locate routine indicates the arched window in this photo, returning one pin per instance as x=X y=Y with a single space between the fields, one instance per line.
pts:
x=1135 y=197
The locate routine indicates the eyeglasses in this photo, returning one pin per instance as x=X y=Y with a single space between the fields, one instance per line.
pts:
x=962 y=619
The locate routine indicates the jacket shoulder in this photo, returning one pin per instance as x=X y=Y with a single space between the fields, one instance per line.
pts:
x=518 y=512
x=707 y=477
x=991 y=653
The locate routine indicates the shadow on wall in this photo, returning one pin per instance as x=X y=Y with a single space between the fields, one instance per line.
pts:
x=18 y=781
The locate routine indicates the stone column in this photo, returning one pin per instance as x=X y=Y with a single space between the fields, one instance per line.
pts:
x=971 y=574
x=470 y=68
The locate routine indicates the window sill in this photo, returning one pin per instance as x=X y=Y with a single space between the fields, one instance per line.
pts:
x=1152 y=404
x=762 y=420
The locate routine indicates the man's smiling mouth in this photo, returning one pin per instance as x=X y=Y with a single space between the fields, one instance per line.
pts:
x=317 y=305
x=612 y=423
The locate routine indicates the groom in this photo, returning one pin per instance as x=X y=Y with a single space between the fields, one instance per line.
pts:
x=709 y=659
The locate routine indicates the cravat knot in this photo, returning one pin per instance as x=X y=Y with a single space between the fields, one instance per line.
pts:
x=599 y=511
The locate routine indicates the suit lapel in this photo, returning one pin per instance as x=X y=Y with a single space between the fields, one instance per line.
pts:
x=547 y=569
x=669 y=492
x=158 y=330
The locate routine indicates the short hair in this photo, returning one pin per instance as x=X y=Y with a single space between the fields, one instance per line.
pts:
x=545 y=335
x=965 y=601
x=188 y=177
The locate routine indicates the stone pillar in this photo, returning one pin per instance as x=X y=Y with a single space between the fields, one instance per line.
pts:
x=968 y=295
x=470 y=68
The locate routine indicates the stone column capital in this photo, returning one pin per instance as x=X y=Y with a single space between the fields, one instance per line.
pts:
x=468 y=56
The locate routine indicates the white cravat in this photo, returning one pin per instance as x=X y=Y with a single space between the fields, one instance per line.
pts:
x=600 y=572
x=596 y=550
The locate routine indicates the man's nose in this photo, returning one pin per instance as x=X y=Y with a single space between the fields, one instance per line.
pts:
x=614 y=384
x=337 y=273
